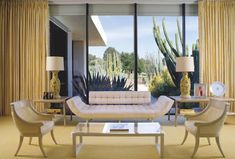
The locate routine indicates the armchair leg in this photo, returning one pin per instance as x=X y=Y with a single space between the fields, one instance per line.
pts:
x=218 y=144
x=40 y=145
x=20 y=144
x=185 y=137
x=53 y=137
x=196 y=146
x=209 y=142
x=30 y=140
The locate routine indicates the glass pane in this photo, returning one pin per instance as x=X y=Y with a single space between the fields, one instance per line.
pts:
x=192 y=44
x=191 y=33
x=111 y=60
x=156 y=57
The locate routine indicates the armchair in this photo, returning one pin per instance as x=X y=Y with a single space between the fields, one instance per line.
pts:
x=31 y=123
x=207 y=123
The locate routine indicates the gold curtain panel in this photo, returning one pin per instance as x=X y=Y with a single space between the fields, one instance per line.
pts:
x=217 y=43
x=23 y=50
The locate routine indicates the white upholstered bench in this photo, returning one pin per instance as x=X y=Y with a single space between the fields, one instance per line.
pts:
x=119 y=105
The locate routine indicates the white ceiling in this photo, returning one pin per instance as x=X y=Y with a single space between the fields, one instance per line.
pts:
x=122 y=1
x=76 y=24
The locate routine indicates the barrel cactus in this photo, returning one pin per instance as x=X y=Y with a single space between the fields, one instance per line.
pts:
x=170 y=52
x=112 y=62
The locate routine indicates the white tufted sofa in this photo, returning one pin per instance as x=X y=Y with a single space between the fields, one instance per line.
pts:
x=120 y=105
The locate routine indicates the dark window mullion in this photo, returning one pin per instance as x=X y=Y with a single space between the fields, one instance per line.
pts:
x=135 y=49
x=87 y=51
x=183 y=30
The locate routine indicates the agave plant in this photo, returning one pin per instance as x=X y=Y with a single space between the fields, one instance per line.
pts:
x=80 y=87
x=98 y=82
x=120 y=84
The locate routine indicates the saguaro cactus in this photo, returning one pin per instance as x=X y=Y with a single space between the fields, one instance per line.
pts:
x=170 y=52
x=112 y=62
x=159 y=64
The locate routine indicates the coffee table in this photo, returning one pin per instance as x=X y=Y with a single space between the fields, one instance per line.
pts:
x=141 y=129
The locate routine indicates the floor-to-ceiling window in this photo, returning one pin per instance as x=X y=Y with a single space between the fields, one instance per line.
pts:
x=192 y=37
x=104 y=47
x=159 y=33
x=111 y=65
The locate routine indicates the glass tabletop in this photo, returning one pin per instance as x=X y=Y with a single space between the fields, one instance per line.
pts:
x=143 y=128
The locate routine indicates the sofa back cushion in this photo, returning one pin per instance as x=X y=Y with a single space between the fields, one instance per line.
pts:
x=119 y=97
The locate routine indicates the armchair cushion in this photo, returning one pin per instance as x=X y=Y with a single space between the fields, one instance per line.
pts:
x=190 y=127
x=47 y=126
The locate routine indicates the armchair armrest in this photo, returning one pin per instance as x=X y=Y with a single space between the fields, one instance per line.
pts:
x=45 y=116
x=27 y=127
x=208 y=123
x=42 y=116
x=211 y=127
x=197 y=115
x=34 y=123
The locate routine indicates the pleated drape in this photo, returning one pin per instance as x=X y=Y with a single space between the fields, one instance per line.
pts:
x=217 y=43
x=23 y=50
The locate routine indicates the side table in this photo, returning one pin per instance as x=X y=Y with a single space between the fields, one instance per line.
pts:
x=194 y=99
x=61 y=100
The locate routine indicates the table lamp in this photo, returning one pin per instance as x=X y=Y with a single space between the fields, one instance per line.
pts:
x=55 y=64
x=185 y=65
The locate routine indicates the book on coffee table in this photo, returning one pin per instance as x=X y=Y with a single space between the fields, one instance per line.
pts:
x=118 y=127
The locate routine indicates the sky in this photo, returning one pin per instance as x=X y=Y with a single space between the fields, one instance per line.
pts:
x=120 y=33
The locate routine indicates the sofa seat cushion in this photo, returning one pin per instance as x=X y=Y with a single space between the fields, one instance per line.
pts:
x=117 y=112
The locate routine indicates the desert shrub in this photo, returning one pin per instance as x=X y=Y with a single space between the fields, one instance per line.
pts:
x=162 y=84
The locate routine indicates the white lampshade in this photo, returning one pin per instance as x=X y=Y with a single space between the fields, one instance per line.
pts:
x=184 y=64
x=55 y=63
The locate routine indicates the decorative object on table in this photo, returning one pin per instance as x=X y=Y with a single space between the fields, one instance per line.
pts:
x=217 y=89
x=119 y=127
x=51 y=95
x=200 y=90
x=44 y=95
x=185 y=65
x=55 y=64
x=48 y=95
x=54 y=111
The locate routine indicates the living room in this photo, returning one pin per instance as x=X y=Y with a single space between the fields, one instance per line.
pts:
x=117 y=79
